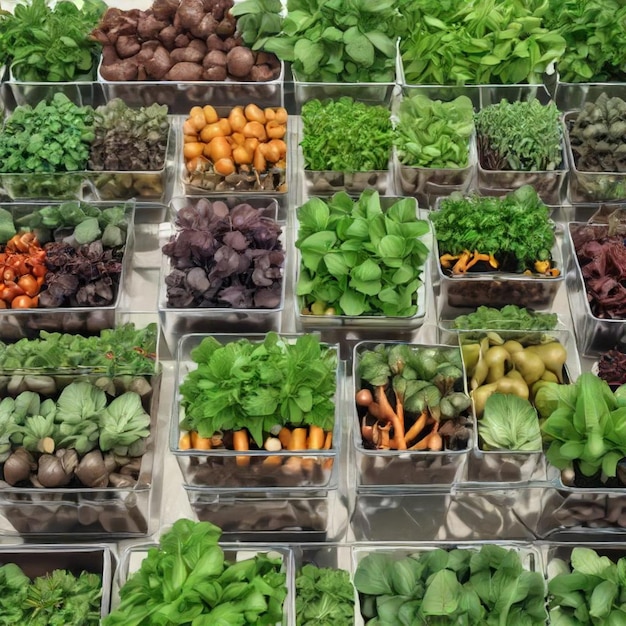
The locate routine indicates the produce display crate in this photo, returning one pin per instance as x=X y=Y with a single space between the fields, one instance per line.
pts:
x=42 y=559
x=591 y=187
x=222 y=468
x=80 y=511
x=270 y=515
x=593 y=334
x=181 y=96
x=18 y=323
x=176 y=321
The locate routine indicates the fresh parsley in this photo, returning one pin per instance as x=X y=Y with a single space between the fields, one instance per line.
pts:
x=258 y=385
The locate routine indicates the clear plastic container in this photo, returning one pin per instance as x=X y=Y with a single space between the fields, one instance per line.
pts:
x=40 y=560
x=176 y=322
x=18 y=323
x=402 y=470
x=593 y=334
x=41 y=186
x=132 y=557
x=586 y=187
x=514 y=466
x=327 y=183
x=428 y=184
x=572 y=96
x=550 y=185
x=143 y=185
x=86 y=512
x=271 y=515
x=496 y=289
x=181 y=96
x=230 y=469
x=363 y=326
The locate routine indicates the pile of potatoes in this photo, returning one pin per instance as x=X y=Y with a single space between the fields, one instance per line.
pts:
x=494 y=364
x=248 y=141
x=179 y=40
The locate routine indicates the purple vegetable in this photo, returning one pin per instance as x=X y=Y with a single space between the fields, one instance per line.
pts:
x=226 y=258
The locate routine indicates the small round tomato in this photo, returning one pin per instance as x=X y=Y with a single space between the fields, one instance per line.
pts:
x=22 y=302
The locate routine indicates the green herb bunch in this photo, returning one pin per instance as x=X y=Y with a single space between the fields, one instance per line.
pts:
x=259 y=385
x=117 y=351
x=509 y=317
x=459 y=586
x=345 y=136
x=358 y=259
x=432 y=133
x=54 y=136
x=595 y=38
x=478 y=42
x=587 y=590
x=328 y=40
x=516 y=229
x=56 y=599
x=519 y=136
x=188 y=580
x=50 y=44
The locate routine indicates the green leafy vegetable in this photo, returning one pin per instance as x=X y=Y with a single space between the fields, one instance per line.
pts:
x=520 y=136
x=122 y=350
x=345 y=136
x=188 y=580
x=257 y=385
x=359 y=259
x=595 y=40
x=584 y=425
x=54 y=136
x=509 y=423
x=469 y=586
x=509 y=317
x=516 y=229
x=432 y=133
x=587 y=590
x=478 y=42
x=327 y=40
x=56 y=599
x=44 y=43
x=124 y=425
x=324 y=596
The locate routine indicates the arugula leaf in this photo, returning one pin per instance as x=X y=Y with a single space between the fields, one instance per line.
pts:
x=509 y=317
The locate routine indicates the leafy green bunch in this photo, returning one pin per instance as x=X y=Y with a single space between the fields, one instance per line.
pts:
x=56 y=599
x=258 y=385
x=516 y=228
x=509 y=317
x=53 y=136
x=328 y=40
x=590 y=589
x=82 y=418
x=121 y=350
x=459 y=586
x=519 y=136
x=44 y=43
x=595 y=39
x=585 y=424
x=324 y=596
x=359 y=258
x=478 y=42
x=432 y=133
x=188 y=580
x=345 y=136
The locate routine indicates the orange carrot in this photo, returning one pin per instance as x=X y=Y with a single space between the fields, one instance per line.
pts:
x=416 y=428
x=199 y=443
x=298 y=439
x=184 y=443
x=316 y=438
x=241 y=443
x=285 y=437
x=328 y=440
x=390 y=415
